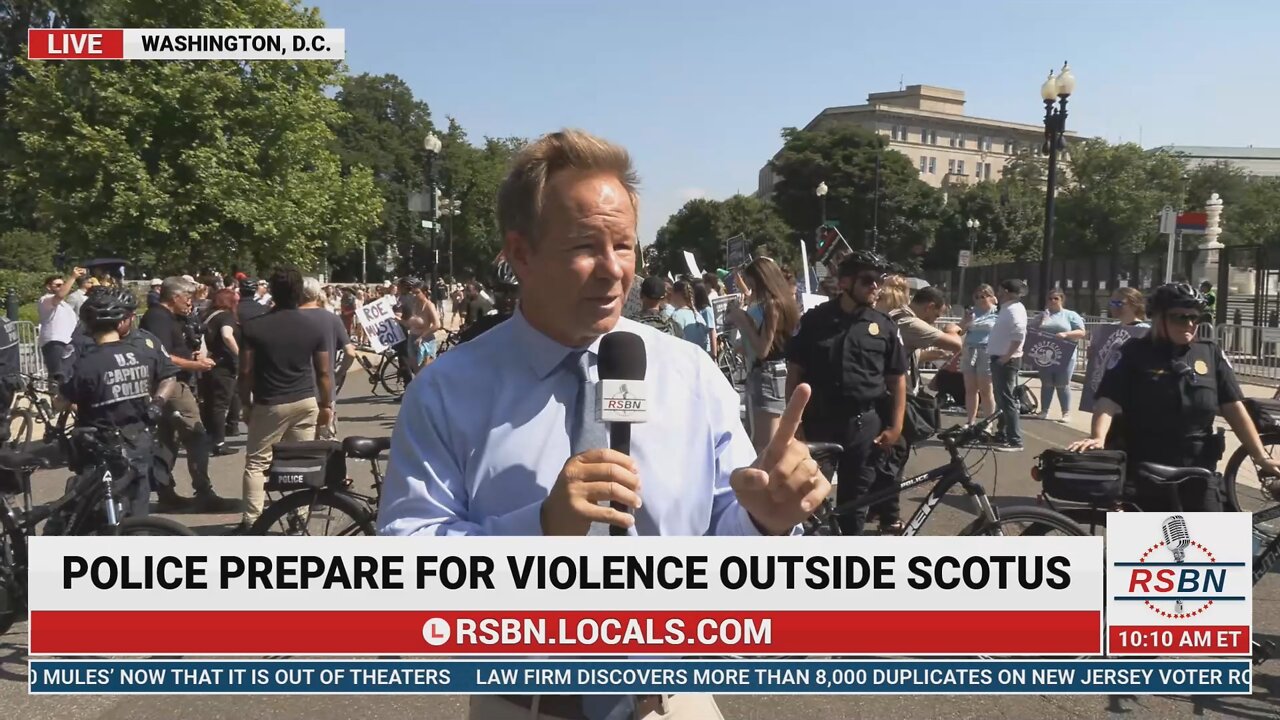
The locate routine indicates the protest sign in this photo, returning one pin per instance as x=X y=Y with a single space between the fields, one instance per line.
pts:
x=1046 y=352
x=380 y=325
x=736 y=251
x=1104 y=353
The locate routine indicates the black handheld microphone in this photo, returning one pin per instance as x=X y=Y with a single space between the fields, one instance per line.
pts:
x=621 y=363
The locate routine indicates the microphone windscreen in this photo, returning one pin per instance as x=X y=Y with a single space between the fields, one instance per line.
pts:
x=621 y=357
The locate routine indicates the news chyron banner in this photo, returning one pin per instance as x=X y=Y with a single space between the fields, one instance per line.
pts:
x=1179 y=584
x=187 y=44
x=648 y=596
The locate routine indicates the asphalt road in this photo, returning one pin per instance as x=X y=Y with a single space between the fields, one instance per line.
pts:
x=1006 y=477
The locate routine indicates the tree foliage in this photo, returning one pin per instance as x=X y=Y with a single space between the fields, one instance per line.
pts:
x=906 y=210
x=471 y=175
x=1113 y=196
x=702 y=226
x=184 y=165
x=1009 y=211
x=382 y=129
x=27 y=251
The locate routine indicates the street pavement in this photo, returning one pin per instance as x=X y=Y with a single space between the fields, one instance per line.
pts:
x=1007 y=478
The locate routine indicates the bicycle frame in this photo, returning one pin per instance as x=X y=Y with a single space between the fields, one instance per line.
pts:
x=943 y=478
x=1265 y=560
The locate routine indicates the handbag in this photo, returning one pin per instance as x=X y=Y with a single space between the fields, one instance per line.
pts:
x=1093 y=476
x=306 y=464
x=922 y=417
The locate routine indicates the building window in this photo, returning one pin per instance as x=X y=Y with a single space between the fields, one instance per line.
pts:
x=933 y=165
x=961 y=140
x=953 y=139
x=959 y=167
x=933 y=137
x=951 y=167
x=924 y=164
x=1008 y=147
x=988 y=171
x=924 y=136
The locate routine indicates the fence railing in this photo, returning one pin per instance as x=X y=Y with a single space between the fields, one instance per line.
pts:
x=1252 y=350
x=30 y=359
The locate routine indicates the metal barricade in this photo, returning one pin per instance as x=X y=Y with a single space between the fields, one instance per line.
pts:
x=30 y=359
x=1252 y=350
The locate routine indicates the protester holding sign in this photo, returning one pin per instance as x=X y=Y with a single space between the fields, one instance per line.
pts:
x=1128 y=307
x=1065 y=324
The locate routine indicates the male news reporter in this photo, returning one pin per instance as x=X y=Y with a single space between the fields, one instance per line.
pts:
x=485 y=441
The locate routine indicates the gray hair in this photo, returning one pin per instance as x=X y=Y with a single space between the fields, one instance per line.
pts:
x=174 y=286
x=312 y=291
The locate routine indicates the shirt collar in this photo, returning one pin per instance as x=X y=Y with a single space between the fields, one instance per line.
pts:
x=542 y=353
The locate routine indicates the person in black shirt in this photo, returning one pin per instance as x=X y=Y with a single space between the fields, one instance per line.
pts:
x=851 y=355
x=121 y=383
x=285 y=386
x=506 y=288
x=1167 y=389
x=218 y=386
x=478 y=306
x=341 y=349
x=182 y=423
x=10 y=377
x=249 y=307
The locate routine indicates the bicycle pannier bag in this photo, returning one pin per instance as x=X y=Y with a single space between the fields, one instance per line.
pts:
x=306 y=464
x=1093 y=476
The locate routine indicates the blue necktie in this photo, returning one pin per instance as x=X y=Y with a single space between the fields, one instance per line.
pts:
x=586 y=432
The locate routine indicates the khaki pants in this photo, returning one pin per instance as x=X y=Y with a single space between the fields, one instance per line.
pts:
x=686 y=706
x=181 y=427
x=268 y=425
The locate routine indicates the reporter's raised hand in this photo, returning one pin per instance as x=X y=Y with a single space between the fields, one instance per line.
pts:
x=784 y=486
x=586 y=480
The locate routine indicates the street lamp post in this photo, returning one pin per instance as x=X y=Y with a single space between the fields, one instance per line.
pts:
x=821 y=192
x=973 y=224
x=432 y=145
x=1055 y=126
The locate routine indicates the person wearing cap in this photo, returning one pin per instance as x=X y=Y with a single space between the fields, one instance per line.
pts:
x=653 y=292
x=249 y=308
x=153 y=297
x=263 y=294
x=851 y=355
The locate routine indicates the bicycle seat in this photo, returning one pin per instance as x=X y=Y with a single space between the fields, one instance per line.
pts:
x=365 y=448
x=1157 y=473
x=827 y=455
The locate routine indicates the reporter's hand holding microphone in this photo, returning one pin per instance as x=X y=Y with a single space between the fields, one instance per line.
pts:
x=779 y=491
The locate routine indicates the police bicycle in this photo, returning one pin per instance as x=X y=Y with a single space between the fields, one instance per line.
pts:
x=335 y=509
x=90 y=506
x=1014 y=520
x=32 y=407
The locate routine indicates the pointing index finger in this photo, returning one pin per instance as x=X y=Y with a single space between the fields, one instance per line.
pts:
x=787 y=425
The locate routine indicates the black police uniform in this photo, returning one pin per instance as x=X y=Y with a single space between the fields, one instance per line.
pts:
x=10 y=373
x=111 y=386
x=847 y=359
x=1169 y=396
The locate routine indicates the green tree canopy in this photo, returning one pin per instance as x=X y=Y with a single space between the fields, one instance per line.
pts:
x=186 y=165
x=702 y=226
x=1113 y=196
x=907 y=214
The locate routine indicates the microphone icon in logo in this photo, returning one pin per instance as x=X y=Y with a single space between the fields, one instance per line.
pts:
x=1174 y=529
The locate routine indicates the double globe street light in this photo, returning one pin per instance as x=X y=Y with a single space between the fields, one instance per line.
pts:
x=431 y=143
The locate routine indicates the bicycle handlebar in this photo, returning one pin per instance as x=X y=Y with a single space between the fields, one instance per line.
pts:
x=957 y=435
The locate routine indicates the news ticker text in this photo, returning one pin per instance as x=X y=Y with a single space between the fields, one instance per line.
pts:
x=773 y=677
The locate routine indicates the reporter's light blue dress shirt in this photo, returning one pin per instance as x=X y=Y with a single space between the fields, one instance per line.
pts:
x=483 y=433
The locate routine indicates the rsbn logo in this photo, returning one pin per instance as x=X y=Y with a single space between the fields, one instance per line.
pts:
x=1178 y=576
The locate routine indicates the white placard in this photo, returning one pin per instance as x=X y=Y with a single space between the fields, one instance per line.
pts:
x=380 y=324
x=811 y=300
x=692 y=263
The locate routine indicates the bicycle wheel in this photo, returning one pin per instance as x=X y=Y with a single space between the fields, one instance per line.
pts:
x=152 y=526
x=325 y=512
x=1241 y=466
x=1033 y=521
x=391 y=376
x=22 y=423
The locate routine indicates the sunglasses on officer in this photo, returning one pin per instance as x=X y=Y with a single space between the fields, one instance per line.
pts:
x=1182 y=318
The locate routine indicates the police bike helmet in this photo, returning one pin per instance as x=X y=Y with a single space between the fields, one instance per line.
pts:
x=1175 y=295
x=863 y=260
x=105 y=306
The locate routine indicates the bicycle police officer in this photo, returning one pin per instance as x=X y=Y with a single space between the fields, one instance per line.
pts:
x=121 y=383
x=851 y=355
x=10 y=372
x=1168 y=387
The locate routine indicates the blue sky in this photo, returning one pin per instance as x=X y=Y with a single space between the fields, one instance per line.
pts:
x=698 y=91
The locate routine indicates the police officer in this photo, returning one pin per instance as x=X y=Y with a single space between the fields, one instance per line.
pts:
x=851 y=355
x=121 y=383
x=1167 y=388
